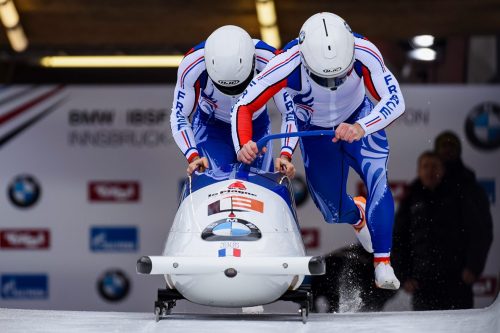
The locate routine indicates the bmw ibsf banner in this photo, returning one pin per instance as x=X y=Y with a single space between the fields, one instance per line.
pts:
x=90 y=181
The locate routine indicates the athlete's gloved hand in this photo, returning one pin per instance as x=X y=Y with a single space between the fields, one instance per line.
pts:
x=249 y=152
x=348 y=132
x=284 y=165
x=200 y=164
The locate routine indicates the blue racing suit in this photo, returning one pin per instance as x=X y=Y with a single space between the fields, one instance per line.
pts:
x=209 y=134
x=327 y=163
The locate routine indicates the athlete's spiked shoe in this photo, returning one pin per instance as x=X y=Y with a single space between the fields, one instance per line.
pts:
x=385 y=277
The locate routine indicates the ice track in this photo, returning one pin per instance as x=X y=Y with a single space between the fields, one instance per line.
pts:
x=478 y=320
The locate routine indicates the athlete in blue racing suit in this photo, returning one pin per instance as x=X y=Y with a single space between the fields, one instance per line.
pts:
x=328 y=70
x=211 y=77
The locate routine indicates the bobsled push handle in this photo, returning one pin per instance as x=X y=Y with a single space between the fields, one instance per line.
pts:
x=264 y=140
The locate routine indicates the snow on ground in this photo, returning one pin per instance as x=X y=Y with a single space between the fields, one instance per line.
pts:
x=477 y=320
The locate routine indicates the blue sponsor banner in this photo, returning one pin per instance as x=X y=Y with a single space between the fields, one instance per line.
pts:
x=24 y=286
x=489 y=187
x=114 y=239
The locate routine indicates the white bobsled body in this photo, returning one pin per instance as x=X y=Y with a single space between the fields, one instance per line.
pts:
x=235 y=241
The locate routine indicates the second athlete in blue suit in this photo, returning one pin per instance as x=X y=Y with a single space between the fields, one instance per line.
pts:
x=328 y=71
x=210 y=79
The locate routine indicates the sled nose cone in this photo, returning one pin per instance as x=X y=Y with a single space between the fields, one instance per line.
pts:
x=317 y=265
x=144 y=265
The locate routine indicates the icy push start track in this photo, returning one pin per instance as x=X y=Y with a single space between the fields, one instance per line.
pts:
x=477 y=320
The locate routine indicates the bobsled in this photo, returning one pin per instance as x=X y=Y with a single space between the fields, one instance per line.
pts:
x=234 y=242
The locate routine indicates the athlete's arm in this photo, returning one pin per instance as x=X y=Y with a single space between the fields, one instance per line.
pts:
x=264 y=86
x=285 y=106
x=263 y=54
x=187 y=90
x=381 y=84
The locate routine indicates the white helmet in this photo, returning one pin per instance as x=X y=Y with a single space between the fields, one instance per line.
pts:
x=230 y=59
x=326 y=44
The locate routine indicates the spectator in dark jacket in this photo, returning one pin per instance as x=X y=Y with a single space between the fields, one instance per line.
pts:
x=463 y=180
x=438 y=249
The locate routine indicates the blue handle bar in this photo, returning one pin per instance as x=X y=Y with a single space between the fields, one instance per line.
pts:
x=263 y=141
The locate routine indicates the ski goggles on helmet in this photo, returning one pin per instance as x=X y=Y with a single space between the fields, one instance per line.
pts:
x=331 y=83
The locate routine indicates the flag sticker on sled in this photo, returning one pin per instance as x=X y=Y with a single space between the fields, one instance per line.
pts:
x=229 y=253
x=237 y=204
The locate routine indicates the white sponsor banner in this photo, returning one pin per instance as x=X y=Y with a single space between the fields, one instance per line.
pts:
x=99 y=161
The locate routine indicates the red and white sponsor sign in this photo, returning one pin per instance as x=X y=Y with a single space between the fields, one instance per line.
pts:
x=25 y=239
x=247 y=203
x=235 y=203
x=310 y=236
x=114 y=191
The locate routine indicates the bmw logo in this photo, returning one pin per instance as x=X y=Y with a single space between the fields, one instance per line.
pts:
x=113 y=285
x=24 y=191
x=231 y=229
x=482 y=126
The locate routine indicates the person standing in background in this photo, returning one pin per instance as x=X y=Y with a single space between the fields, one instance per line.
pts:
x=463 y=180
x=436 y=240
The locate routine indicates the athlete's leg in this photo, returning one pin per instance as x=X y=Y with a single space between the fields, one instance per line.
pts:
x=369 y=158
x=326 y=173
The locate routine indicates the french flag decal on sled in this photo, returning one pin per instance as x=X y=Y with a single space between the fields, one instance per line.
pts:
x=230 y=252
